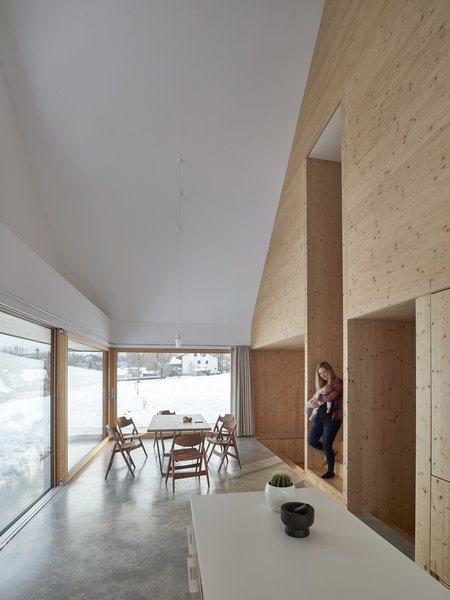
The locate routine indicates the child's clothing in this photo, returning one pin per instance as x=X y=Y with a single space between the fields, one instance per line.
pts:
x=318 y=396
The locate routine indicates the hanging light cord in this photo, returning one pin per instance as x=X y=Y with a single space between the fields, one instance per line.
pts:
x=179 y=232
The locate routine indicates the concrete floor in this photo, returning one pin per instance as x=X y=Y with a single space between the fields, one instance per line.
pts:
x=120 y=538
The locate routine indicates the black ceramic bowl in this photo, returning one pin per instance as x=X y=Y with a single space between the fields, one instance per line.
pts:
x=297 y=518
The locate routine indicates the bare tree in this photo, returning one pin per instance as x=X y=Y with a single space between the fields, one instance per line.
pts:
x=162 y=359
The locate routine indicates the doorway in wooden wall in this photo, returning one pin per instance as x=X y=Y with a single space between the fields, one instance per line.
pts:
x=381 y=416
x=324 y=319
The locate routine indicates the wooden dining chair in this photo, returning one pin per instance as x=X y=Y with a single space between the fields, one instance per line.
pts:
x=121 y=446
x=222 y=440
x=160 y=437
x=187 y=457
x=130 y=432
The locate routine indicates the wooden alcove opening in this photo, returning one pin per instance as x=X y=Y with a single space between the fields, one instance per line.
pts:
x=324 y=320
x=381 y=413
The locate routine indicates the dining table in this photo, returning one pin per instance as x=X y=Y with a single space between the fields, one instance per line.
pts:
x=180 y=423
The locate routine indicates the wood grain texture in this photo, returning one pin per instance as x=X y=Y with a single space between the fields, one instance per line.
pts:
x=440 y=385
x=381 y=421
x=280 y=305
x=423 y=430
x=277 y=382
x=324 y=312
x=440 y=529
x=388 y=63
x=289 y=445
x=60 y=391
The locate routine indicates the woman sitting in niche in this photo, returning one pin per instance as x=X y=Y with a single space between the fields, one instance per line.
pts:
x=327 y=413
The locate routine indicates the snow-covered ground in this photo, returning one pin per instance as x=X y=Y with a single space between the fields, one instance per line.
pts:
x=206 y=395
x=25 y=417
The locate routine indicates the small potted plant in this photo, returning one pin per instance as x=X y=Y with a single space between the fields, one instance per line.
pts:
x=279 y=490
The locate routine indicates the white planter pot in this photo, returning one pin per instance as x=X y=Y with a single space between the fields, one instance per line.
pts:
x=276 y=496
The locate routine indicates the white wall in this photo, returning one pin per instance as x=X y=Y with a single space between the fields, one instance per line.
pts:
x=30 y=285
x=21 y=209
x=199 y=335
x=27 y=282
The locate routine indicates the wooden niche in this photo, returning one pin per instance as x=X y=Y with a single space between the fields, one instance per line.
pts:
x=381 y=413
x=277 y=382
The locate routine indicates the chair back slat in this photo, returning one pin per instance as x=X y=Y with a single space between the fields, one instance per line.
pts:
x=188 y=439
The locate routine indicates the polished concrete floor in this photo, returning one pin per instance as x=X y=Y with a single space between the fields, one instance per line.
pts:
x=120 y=538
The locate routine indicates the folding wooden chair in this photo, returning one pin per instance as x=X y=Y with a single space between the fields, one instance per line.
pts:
x=222 y=440
x=189 y=459
x=160 y=437
x=130 y=435
x=120 y=445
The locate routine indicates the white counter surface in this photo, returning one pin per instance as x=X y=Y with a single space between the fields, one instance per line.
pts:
x=244 y=554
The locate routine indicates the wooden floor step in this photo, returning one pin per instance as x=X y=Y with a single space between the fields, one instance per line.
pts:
x=339 y=469
x=333 y=487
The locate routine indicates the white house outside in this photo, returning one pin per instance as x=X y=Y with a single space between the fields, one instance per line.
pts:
x=196 y=363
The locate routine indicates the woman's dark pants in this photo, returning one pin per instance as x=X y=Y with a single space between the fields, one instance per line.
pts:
x=327 y=430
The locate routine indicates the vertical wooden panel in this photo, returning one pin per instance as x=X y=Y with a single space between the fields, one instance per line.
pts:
x=440 y=529
x=324 y=276
x=287 y=446
x=112 y=404
x=277 y=378
x=391 y=62
x=440 y=384
x=381 y=420
x=61 y=339
x=423 y=430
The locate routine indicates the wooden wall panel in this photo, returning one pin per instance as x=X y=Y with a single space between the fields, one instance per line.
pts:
x=440 y=529
x=324 y=325
x=324 y=265
x=60 y=339
x=381 y=420
x=388 y=63
x=280 y=305
x=440 y=385
x=423 y=430
x=289 y=446
x=277 y=381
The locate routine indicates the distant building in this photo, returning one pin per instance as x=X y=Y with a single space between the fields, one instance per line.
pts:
x=195 y=363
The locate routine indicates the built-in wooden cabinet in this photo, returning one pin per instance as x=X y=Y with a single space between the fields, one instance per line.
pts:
x=440 y=529
x=440 y=384
x=433 y=445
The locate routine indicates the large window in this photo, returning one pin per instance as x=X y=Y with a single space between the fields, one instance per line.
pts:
x=196 y=383
x=85 y=400
x=25 y=414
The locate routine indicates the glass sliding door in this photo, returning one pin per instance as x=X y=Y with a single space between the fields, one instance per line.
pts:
x=25 y=415
x=85 y=402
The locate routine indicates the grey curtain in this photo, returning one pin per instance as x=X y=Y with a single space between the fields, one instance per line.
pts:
x=241 y=390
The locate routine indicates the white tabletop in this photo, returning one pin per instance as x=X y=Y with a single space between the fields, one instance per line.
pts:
x=242 y=543
x=175 y=423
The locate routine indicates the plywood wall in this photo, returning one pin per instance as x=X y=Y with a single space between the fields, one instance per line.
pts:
x=324 y=326
x=440 y=385
x=440 y=529
x=324 y=266
x=280 y=305
x=381 y=420
x=388 y=64
x=423 y=430
x=432 y=448
x=277 y=381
